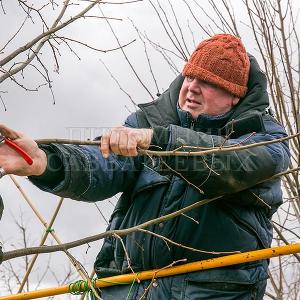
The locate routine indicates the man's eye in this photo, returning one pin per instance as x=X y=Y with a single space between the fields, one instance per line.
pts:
x=208 y=84
x=189 y=78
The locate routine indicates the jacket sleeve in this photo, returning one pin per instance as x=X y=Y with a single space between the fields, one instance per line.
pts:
x=81 y=172
x=227 y=172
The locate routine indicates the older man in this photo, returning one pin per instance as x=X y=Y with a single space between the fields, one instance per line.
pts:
x=220 y=101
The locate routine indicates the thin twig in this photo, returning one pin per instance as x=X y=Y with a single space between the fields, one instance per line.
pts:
x=186 y=247
x=126 y=254
x=155 y=273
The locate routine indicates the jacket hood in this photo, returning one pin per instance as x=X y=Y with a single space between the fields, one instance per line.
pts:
x=163 y=111
x=256 y=98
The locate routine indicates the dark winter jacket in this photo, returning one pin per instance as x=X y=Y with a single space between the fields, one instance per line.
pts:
x=1 y=211
x=239 y=221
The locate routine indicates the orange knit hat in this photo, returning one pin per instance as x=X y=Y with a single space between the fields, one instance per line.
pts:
x=221 y=60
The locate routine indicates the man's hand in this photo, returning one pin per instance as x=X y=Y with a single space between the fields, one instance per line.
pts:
x=13 y=163
x=125 y=141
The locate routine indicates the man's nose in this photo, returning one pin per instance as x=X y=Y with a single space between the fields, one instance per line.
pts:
x=195 y=86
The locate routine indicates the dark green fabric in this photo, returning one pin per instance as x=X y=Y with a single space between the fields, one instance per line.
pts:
x=1 y=212
x=54 y=172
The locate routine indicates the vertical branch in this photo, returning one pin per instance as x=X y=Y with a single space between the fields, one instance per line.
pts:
x=172 y=31
x=175 y=42
x=147 y=57
x=230 y=28
x=209 y=33
x=48 y=229
x=42 y=220
x=179 y=27
x=126 y=58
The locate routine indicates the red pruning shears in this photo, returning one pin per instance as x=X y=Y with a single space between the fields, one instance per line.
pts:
x=17 y=148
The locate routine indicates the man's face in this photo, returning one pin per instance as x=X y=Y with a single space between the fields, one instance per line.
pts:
x=199 y=97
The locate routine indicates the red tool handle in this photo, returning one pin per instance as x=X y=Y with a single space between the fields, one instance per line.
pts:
x=18 y=149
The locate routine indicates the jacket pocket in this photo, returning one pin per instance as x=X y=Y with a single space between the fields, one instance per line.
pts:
x=147 y=179
x=195 y=290
x=246 y=282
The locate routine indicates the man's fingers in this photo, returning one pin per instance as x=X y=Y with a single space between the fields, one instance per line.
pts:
x=125 y=141
x=104 y=147
x=115 y=142
x=9 y=133
x=132 y=145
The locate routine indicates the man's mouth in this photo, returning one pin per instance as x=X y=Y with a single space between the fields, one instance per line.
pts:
x=192 y=101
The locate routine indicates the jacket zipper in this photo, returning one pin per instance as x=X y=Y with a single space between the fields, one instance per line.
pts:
x=192 y=125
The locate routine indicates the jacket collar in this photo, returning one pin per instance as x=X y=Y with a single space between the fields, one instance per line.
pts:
x=203 y=122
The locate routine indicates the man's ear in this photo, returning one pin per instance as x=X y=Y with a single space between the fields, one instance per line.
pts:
x=235 y=101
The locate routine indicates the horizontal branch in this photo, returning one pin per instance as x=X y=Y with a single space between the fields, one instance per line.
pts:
x=215 y=149
x=175 y=152
x=48 y=249
x=90 y=47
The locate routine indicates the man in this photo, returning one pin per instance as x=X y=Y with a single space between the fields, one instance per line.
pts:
x=220 y=101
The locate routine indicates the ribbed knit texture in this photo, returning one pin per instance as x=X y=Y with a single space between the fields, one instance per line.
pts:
x=221 y=60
